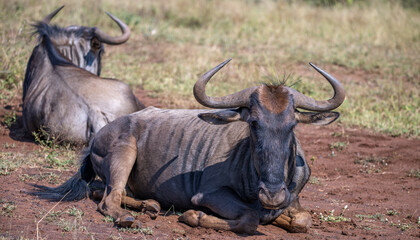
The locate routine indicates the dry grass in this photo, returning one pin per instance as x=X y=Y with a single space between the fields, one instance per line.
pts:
x=373 y=48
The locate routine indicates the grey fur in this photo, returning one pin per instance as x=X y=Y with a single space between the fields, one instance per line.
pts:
x=65 y=99
x=244 y=164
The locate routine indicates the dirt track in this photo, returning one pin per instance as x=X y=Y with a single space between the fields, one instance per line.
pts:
x=370 y=175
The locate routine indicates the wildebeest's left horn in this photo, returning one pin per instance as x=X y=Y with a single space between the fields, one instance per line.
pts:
x=308 y=103
x=238 y=99
x=105 y=38
x=50 y=16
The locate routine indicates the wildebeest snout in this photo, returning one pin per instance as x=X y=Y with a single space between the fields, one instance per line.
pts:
x=273 y=197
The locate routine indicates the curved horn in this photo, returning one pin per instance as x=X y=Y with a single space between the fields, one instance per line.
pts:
x=238 y=99
x=50 y=16
x=304 y=102
x=105 y=38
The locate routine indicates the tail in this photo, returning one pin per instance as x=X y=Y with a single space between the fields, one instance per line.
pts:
x=76 y=188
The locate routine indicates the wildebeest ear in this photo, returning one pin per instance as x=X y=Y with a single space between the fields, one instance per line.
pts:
x=225 y=116
x=323 y=118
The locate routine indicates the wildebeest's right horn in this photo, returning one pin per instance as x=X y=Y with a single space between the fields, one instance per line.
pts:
x=105 y=38
x=238 y=99
x=50 y=16
x=304 y=102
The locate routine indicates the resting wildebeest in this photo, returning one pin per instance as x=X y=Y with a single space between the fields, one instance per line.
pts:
x=62 y=91
x=243 y=163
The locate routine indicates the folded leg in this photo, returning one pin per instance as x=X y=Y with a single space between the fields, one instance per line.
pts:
x=239 y=217
x=150 y=207
x=294 y=219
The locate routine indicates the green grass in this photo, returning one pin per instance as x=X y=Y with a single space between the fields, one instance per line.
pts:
x=372 y=164
x=9 y=162
x=145 y=231
x=402 y=226
x=371 y=216
x=391 y=212
x=331 y=218
x=339 y=146
x=53 y=216
x=108 y=219
x=71 y=225
x=384 y=219
x=315 y=180
x=75 y=212
x=50 y=177
x=372 y=48
x=56 y=155
x=414 y=173
x=74 y=224
x=9 y=119
x=51 y=155
x=7 y=208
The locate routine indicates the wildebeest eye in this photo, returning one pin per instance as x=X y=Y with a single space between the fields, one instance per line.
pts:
x=253 y=123
x=95 y=43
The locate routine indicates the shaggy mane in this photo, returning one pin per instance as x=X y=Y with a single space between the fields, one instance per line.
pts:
x=54 y=31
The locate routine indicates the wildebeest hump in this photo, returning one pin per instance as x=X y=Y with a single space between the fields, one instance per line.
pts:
x=101 y=92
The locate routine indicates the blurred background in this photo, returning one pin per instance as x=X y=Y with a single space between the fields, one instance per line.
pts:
x=373 y=47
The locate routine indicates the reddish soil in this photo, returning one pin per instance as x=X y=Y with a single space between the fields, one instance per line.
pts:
x=370 y=175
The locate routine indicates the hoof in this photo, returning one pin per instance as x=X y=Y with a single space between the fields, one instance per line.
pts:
x=301 y=222
x=152 y=215
x=151 y=208
x=191 y=217
x=136 y=224
x=125 y=221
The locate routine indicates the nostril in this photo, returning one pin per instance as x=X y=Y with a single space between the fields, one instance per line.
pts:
x=262 y=192
x=262 y=195
x=272 y=193
x=273 y=197
x=280 y=196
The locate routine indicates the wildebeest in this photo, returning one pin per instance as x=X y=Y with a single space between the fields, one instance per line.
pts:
x=243 y=162
x=62 y=92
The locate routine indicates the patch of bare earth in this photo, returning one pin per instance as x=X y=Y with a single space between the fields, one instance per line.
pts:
x=366 y=178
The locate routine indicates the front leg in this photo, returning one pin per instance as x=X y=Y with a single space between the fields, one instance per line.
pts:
x=115 y=169
x=294 y=219
x=240 y=217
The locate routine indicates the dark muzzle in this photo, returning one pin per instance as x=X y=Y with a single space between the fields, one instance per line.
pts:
x=274 y=197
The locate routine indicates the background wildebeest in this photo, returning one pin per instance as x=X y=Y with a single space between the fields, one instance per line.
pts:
x=62 y=93
x=243 y=163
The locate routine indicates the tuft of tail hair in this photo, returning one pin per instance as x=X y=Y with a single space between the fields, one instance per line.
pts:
x=76 y=188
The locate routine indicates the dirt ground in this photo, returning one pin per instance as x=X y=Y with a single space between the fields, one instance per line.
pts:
x=364 y=185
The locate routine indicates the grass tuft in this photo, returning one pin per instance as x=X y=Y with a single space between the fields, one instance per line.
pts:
x=9 y=163
x=145 y=231
x=314 y=180
x=331 y=218
x=414 y=173
x=7 y=208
